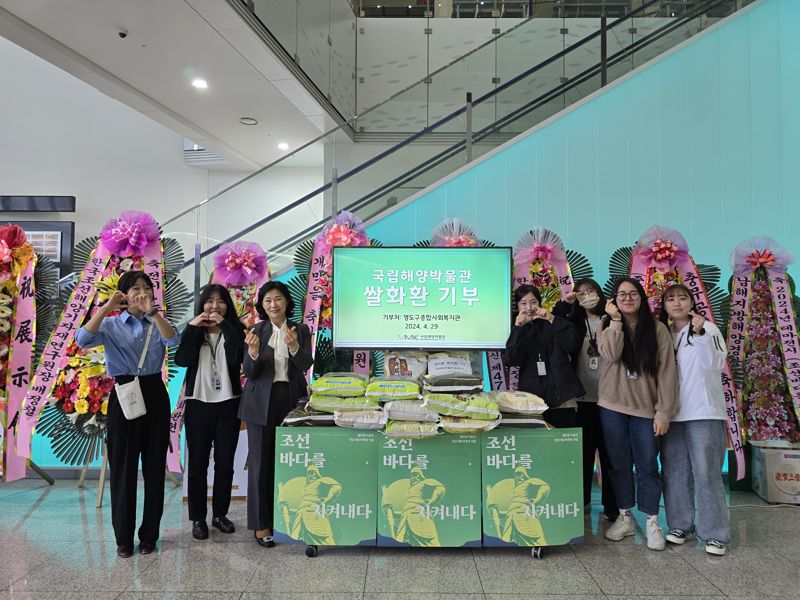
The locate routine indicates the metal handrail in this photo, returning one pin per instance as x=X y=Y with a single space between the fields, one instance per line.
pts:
x=412 y=138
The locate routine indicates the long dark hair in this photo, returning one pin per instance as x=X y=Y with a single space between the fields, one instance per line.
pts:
x=268 y=287
x=600 y=309
x=519 y=294
x=664 y=317
x=640 y=351
x=230 y=312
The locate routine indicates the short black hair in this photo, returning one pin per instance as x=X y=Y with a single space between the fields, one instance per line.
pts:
x=230 y=313
x=129 y=279
x=268 y=287
x=524 y=290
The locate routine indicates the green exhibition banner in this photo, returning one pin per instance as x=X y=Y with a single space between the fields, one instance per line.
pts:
x=429 y=492
x=532 y=487
x=325 y=486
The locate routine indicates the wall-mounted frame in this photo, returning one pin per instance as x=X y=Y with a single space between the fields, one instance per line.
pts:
x=54 y=239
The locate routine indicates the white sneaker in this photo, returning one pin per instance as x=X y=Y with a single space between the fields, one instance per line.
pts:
x=622 y=528
x=716 y=547
x=655 y=537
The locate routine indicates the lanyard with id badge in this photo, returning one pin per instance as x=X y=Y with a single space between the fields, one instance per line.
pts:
x=541 y=369
x=216 y=382
x=592 y=351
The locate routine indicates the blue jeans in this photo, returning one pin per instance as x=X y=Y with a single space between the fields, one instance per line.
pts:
x=694 y=495
x=630 y=442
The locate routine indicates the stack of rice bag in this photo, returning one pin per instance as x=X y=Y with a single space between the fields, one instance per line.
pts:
x=344 y=395
x=451 y=398
x=519 y=409
x=421 y=395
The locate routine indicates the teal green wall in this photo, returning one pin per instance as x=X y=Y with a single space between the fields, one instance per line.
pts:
x=707 y=141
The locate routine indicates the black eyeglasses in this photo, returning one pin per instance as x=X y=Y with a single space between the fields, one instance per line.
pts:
x=630 y=295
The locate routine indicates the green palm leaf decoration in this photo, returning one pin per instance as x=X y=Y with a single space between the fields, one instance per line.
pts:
x=710 y=274
x=298 y=285
x=718 y=300
x=82 y=252
x=74 y=443
x=618 y=267
x=177 y=299
x=173 y=255
x=45 y=278
x=579 y=265
x=302 y=257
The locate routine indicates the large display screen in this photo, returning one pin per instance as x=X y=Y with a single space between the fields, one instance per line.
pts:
x=443 y=298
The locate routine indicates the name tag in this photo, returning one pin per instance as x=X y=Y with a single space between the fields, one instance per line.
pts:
x=541 y=370
x=631 y=374
x=594 y=363
x=217 y=383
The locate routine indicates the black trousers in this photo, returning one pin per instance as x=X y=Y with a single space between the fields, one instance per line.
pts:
x=261 y=461
x=210 y=423
x=146 y=437
x=561 y=418
x=593 y=442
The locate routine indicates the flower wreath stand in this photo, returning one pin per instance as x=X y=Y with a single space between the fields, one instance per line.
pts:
x=68 y=397
x=27 y=283
x=312 y=293
x=762 y=338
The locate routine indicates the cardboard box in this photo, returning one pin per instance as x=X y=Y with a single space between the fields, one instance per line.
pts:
x=776 y=471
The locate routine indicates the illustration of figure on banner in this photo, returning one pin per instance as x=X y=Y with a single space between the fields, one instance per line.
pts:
x=513 y=506
x=311 y=521
x=415 y=500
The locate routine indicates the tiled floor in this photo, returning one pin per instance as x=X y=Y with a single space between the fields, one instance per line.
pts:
x=54 y=544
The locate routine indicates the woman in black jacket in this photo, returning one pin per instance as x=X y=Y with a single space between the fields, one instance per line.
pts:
x=211 y=349
x=542 y=346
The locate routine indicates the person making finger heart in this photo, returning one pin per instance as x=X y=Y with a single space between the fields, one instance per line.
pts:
x=542 y=345
x=124 y=337
x=637 y=396
x=277 y=356
x=211 y=349
x=694 y=447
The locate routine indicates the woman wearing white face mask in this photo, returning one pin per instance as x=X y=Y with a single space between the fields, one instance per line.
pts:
x=585 y=306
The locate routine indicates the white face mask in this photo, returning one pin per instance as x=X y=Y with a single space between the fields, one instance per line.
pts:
x=589 y=300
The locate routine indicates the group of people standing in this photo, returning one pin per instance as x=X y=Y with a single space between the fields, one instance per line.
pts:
x=641 y=390
x=215 y=347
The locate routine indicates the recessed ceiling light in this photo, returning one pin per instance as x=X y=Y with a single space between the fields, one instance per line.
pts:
x=200 y=84
x=248 y=121
x=283 y=146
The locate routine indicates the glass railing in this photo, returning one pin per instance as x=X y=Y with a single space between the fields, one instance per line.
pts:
x=493 y=9
x=287 y=202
